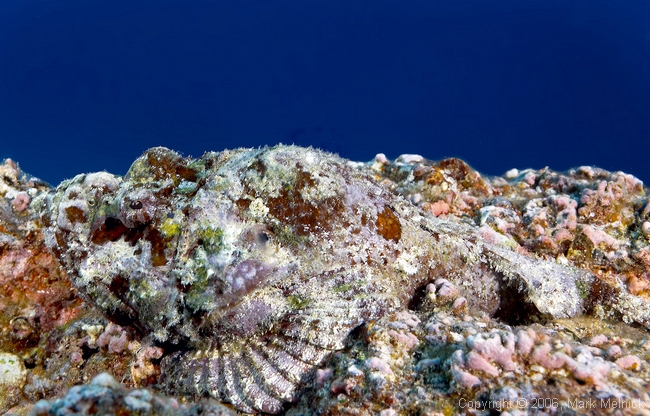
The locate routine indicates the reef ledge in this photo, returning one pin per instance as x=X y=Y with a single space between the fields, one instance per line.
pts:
x=287 y=280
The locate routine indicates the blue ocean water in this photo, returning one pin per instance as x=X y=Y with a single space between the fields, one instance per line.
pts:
x=89 y=85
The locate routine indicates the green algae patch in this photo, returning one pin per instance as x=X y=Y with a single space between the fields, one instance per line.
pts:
x=211 y=239
x=342 y=288
x=196 y=298
x=285 y=236
x=584 y=289
x=298 y=302
x=170 y=228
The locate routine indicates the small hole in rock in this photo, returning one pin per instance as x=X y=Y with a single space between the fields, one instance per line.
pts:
x=514 y=308
x=87 y=352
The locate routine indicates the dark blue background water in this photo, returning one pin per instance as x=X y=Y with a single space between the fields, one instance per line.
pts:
x=89 y=85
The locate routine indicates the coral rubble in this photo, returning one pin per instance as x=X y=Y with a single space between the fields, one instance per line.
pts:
x=288 y=280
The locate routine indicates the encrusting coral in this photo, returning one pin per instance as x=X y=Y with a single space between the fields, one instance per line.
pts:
x=253 y=275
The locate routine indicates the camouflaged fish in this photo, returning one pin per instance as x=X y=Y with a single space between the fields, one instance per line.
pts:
x=251 y=266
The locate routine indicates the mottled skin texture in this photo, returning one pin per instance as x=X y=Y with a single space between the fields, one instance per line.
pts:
x=252 y=266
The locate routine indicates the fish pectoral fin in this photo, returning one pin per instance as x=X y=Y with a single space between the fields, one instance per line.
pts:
x=555 y=289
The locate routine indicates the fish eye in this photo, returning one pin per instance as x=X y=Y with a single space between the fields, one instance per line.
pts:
x=135 y=205
x=262 y=237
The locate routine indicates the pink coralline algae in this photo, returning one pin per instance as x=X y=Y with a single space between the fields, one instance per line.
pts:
x=629 y=362
x=285 y=278
x=114 y=338
x=21 y=201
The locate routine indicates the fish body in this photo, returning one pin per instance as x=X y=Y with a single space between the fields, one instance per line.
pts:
x=253 y=265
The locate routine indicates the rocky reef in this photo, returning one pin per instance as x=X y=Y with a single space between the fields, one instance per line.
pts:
x=287 y=280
